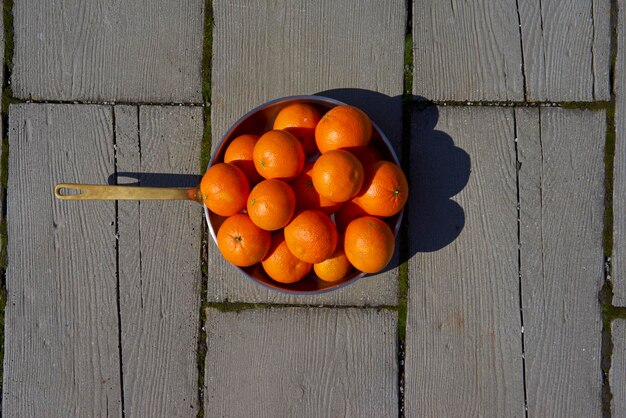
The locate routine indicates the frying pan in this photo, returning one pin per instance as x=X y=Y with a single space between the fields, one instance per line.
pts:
x=257 y=121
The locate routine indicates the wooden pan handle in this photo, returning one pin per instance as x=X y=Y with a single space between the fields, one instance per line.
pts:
x=103 y=192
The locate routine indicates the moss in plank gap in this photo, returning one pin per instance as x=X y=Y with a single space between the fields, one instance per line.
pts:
x=593 y=106
x=408 y=65
x=3 y=302
x=207 y=51
x=4 y=164
x=3 y=248
x=613 y=45
x=205 y=147
x=202 y=345
x=227 y=306
x=7 y=100
x=609 y=156
x=7 y=18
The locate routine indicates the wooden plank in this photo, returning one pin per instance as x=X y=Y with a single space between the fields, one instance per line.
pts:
x=463 y=338
x=561 y=200
x=263 y=51
x=467 y=50
x=147 y=51
x=566 y=49
x=61 y=318
x=617 y=374
x=618 y=257
x=159 y=261
x=288 y=362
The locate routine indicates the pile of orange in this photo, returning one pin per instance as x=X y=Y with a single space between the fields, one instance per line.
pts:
x=310 y=194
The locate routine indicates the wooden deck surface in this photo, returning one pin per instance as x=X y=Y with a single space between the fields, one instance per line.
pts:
x=509 y=119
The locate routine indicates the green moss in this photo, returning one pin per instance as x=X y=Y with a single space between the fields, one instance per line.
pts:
x=3 y=302
x=227 y=306
x=205 y=156
x=7 y=17
x=408 y=65
x=594 y=106
x=4 y=164
x=207 y=51
x=205 y=147
x=207 y=59
x=3 y=246
x=609 y=156
x=201 y=353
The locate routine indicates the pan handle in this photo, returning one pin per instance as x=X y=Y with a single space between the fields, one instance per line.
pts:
x=103 y=192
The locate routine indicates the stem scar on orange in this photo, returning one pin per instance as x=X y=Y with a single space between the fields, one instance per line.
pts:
x=337 y=175
x=241 y=242
x=311 y=236
x=271 y=204
x=281 y=265
x=224 y=188
x=369 y=244
x=343 y=127
x=300 y=120
x=385 y=190
x=278 y=155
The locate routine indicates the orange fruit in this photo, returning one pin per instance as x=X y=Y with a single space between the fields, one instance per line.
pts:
x=366 y=155
x=385 y=190
x=242 y=242
x=239 y=153
x=334 y=268
x=343 y=127
x=306 y=195
x=311 y=236
x=271 y=204
x=348 y=212
x=337 y=175
x=300 y=120
x=278 y=155
x=281 y=265
x=224 y=189
x=369 y=244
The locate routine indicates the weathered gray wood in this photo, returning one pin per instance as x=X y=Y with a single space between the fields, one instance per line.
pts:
x=619 y=166
x=466 y=50
x=159 y=262
x=288 y=362
x=265 y=50
x=463 y=349
x=617 y=374
x=566 y=49
x=113 y=51
x=61 y=329
x=561 y=200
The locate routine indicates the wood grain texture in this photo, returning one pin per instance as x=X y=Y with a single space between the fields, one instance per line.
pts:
x=99 y=50
x=265 y=50
x=617 y=374
x=561 y=218
x=618 y=257
x=159 y=262
x=466 y=50
x=566 y=49
x=288 y=362
x=463 y=343
x=61 y=319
